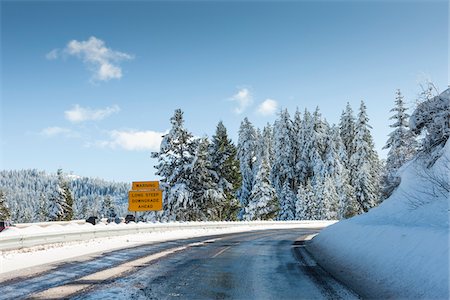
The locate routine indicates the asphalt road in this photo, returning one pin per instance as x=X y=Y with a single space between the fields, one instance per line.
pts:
x=270 y=264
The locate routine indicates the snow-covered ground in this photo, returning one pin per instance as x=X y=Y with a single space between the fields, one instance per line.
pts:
x=19 y=259
x=401 y=248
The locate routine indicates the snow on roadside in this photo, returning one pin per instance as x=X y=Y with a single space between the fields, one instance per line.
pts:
x=24 y=258
x=399 y=249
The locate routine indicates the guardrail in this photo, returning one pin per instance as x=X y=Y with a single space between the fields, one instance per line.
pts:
x=25 y=240
x=45 y=224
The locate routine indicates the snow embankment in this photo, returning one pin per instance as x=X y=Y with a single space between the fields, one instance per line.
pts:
x=401 y=248
x=117 y=238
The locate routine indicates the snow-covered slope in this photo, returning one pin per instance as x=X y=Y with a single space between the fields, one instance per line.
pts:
x=401 y=248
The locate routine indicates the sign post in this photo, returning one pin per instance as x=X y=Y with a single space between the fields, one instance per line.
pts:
x=145 y=185
x=145 y=196
x=145 y=200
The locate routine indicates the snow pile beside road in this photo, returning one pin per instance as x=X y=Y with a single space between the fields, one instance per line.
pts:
x=401 y=248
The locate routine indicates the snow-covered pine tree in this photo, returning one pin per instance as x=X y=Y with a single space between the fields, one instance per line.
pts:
x=348 y=206
x=364 y=164
x=312 y=141
x=335 y=171
x=263 y=203
x=108 y=207
x=282 y=166
x=317 y=206
x=300 y=203
x=82 y=211
x=246 y=154
x=402 y=147
x=329 y=207
x=208 y=200
x=265 y=145
x=68 y=199
x=57 y=206
x=287 y=201
x=5 y=214
x=321 y=128
x=347 y=131
x=60 y=204
x=303 y=167
x=305 y=205
x=224 y=163
x=42 y=209
x=296 y=148
x=174 y=160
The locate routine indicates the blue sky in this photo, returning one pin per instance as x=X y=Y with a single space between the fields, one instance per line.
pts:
x=90 y=86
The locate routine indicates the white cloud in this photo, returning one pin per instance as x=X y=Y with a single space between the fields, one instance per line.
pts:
x=58 y=131
x=243 y=98
x=54 y=54
x=267 y=107
x=79 y=114
x=132 y=140
x=102 y=61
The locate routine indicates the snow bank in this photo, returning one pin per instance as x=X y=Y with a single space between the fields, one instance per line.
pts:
x=401 y=248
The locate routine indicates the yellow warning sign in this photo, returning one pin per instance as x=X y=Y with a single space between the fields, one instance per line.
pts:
x=145 y=200
x=145 y=185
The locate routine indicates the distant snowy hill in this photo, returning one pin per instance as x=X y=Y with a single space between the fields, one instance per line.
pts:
x=401 y=248
x=27 y=193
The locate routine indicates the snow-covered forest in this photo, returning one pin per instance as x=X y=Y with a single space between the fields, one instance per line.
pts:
x=34 y=196
x=298 y=168
x=407 y=236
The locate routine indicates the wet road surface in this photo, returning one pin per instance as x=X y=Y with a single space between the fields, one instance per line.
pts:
x=269 y=264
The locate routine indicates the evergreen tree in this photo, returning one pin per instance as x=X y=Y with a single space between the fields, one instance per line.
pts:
x=282 y=167
x=60 y=204
x=329 y=208
x=82 y=211
x=42 y=212
x=347 y=131
x=305 y=205
x=287 y=201
x=321 y=129
x=225 y=164
x=68 y=199
x=296 y=149
x=57 y=204
x=306 y=140
x=174 y=160
x=107 y=208
x=364 y=164
x=208 y=199
x=336 y=172
x=402 y=146
x=246 y=154
x=317 y=204
x=263 y=203
x=5 y=213
x=300 y=203
x=265 y=145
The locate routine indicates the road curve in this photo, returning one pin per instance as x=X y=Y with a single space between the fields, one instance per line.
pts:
x=270 y=264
